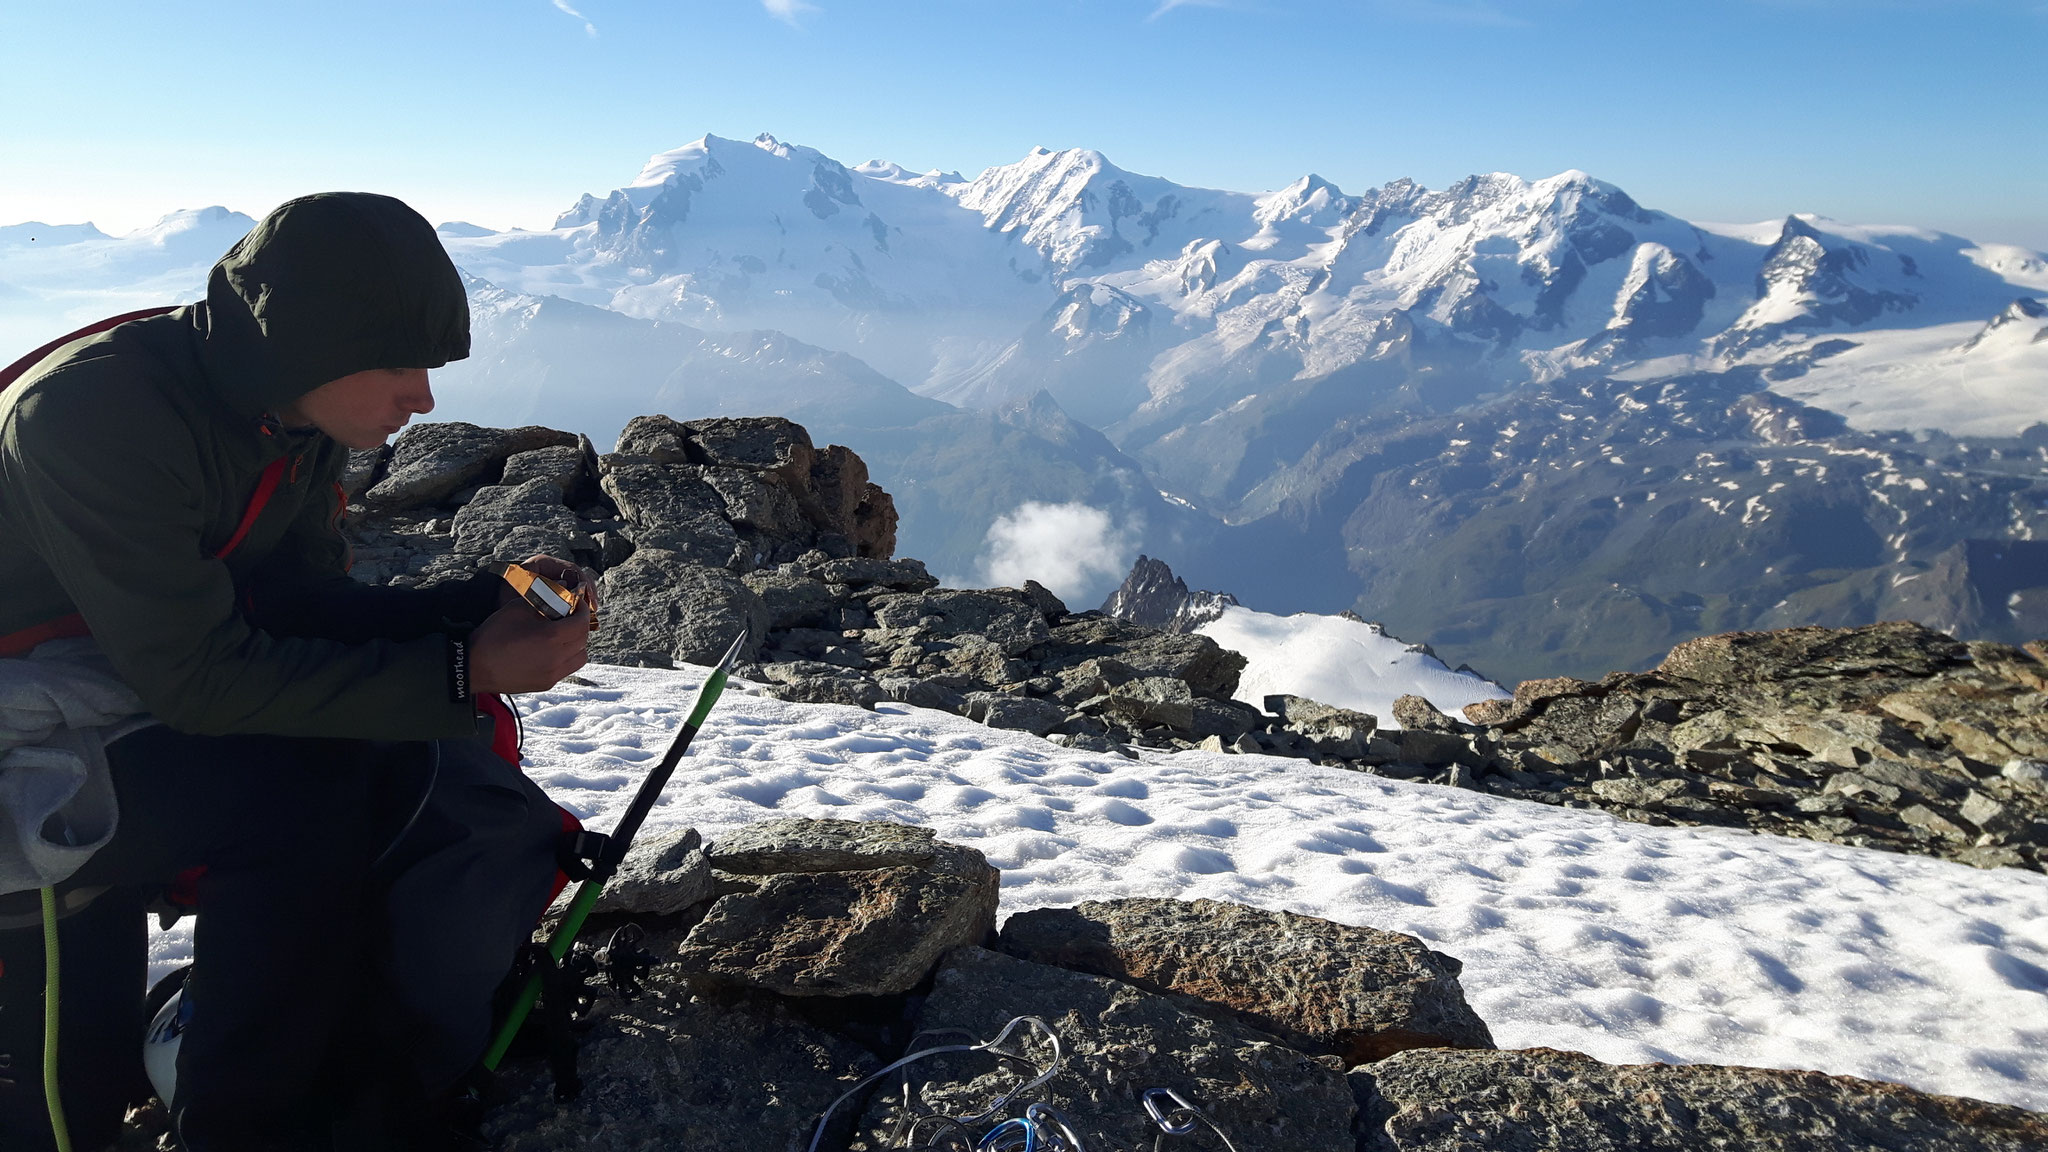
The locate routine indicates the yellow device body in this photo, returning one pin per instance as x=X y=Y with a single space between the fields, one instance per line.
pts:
x=548 y=597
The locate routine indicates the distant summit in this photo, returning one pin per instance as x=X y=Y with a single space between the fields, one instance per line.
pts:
x=1154 y=597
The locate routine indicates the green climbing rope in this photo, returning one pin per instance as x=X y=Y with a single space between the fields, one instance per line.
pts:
x=58 y=1129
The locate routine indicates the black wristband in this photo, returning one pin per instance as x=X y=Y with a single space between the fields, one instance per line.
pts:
x=458 y=670
x=466 y=602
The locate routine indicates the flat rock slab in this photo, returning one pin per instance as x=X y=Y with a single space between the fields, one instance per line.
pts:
x=1003 y=617
x=667 y=1072
x=1120 y=1041
x=814 y=682
x=873 y=932
x=1357 y=993
x=1540 y=1100
x=841 y=908
x=904 y=574
x=799 y=845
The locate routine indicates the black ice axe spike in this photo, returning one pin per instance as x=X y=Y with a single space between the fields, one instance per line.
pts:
x=615 y=852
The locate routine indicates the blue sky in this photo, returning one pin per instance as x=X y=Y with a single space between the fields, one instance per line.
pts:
x=1927 y=112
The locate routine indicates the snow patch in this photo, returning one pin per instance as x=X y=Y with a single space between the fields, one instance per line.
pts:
x=1339 y=661
x=1576 y=930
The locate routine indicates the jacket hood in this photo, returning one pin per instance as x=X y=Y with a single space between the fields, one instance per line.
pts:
x=326 y=286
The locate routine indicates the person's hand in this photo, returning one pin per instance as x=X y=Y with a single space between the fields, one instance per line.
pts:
x=517 y=650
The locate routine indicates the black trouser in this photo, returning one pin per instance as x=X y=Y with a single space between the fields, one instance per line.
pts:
x=325 y=954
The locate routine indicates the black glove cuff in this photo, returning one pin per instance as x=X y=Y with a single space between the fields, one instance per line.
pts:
x=458 y=671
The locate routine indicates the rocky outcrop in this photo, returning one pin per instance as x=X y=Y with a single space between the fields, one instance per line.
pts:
x=717 y=493
x=1543 y=1100
x=1891 y=736
x=706 y=527
x=433 y=463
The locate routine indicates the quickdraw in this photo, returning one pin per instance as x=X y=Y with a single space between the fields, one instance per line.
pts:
x=1042 y=1128
x=949 y=1127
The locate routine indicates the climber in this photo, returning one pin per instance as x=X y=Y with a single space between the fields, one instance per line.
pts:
x=183 y=653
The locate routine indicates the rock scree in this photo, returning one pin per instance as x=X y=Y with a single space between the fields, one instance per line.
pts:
x=1891 y=736
x=1288 y=1033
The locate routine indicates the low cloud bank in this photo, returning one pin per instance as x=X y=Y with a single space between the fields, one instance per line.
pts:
x=1073 y=549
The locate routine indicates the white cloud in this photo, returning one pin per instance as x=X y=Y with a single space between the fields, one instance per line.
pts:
x=788 y=11
x=1072 y=549
x=566 y=7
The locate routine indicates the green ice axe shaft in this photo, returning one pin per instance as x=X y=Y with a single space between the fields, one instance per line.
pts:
x=615 y=852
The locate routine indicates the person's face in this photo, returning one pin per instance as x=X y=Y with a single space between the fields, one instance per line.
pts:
x=364 y=409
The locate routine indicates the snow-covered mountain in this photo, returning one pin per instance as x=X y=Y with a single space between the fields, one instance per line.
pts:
x=1145 y=306
x=734 y=235
x=1540 y=425
x=55 y=278
x=547 y=360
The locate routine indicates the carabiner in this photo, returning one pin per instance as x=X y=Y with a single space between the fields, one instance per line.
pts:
x=1046 y=1117
x=996 y=1142
x=1176 y=1121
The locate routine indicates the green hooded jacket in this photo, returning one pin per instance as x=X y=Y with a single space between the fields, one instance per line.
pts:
x=127 y=461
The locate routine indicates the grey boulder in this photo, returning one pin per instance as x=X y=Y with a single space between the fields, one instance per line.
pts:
x=819 y=682
x=797 y=845
x=1358 y=993
x=661 y=875
x=867 y=929
x=672 y=509
x=512 y=523
x=432 y=462
x=658 y=608
x=1003 y=617
x=1038 y=717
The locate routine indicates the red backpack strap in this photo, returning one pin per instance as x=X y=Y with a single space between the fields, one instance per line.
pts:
x=571 y=829
x=504 y=727
x=266 y=487
x=16 y=370
x=24 y=642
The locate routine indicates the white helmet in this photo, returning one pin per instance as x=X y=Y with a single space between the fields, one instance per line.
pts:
x=160 y=1045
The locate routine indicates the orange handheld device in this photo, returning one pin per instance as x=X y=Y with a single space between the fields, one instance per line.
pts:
x=548 y=597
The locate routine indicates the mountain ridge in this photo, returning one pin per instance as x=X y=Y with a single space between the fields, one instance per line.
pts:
x=1442 y=407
